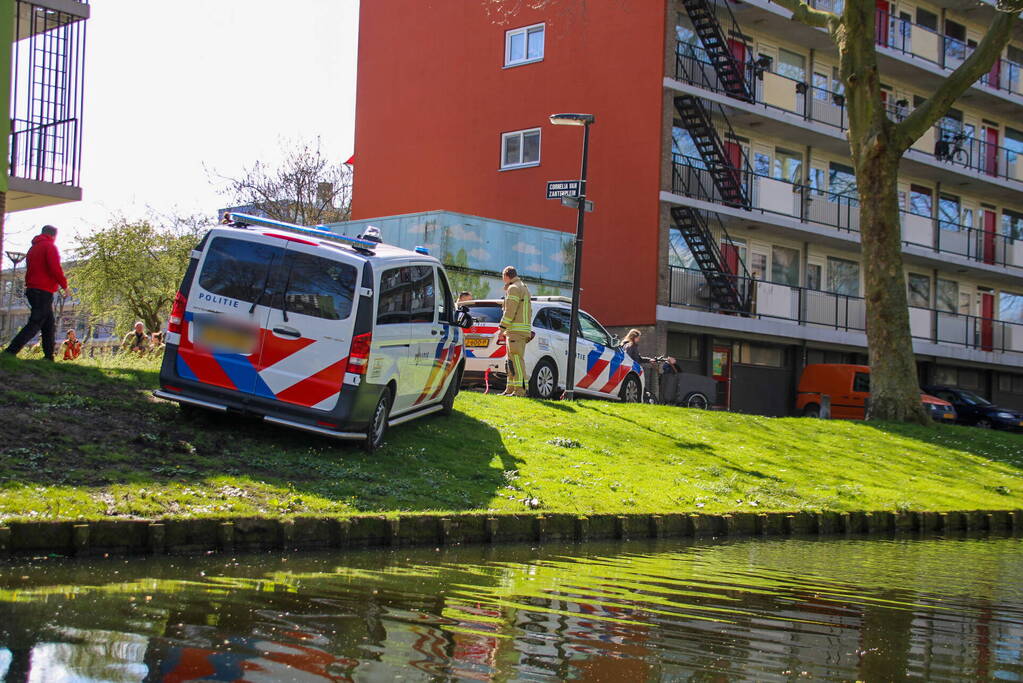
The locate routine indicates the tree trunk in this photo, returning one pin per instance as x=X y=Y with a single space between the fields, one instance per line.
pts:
x=894 y=386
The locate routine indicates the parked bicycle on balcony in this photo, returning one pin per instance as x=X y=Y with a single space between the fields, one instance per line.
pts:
x=951 y=146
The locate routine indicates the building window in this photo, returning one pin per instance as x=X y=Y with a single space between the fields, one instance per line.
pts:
x=842 y=181
x=920 y=201
x=1010 y=307
x=919 y=290
x=785 y=266
x=523 y=45
x=746 y=353
x=947 y=296
x=521 y=148
x=843 y=276
x=1012 y=224
x=684 y=346
x=813 y=276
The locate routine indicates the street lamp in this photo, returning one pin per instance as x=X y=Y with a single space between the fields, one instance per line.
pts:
x=583 y=120
x=16 y=258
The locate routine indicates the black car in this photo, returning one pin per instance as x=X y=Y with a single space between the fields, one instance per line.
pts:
x=977 y=410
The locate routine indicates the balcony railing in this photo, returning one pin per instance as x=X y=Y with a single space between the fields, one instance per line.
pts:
x=947 y=52
x=46 y=152
x=957 y=147
x=847 y=313
x=842 y=212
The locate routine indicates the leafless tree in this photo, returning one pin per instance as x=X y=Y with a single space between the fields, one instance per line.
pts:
x=307 y=187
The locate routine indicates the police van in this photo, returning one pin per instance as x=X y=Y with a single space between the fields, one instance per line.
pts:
x=305 y=328
x=602 y=368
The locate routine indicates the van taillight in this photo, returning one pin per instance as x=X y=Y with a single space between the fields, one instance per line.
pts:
x=177 y=314
x=358 y=357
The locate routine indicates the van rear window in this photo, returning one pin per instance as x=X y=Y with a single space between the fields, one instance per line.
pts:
x=238 y=269
x=486 y=313
x=250 y=271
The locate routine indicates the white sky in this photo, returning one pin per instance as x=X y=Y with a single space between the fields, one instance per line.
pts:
x=170 y=87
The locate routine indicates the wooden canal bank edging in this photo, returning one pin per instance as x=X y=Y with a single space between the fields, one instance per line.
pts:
x=174 y=536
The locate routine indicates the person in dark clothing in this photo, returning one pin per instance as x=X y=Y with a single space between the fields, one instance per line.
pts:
x=631 y=347
x=43 y=277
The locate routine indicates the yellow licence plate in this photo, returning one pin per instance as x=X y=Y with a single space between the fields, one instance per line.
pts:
x=949 y=416
x=477 y=341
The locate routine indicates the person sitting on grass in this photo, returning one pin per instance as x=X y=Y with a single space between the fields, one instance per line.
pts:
x=72 y=346
x=137 y=340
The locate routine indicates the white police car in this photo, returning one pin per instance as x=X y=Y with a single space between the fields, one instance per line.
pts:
x=313 y=330
x=602 y=369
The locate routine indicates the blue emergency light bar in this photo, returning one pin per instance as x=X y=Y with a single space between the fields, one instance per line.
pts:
x=245 y=219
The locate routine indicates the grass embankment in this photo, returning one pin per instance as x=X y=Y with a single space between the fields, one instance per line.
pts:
x=87 y=441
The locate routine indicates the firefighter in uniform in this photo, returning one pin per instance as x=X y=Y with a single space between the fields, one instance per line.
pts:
x=516 y=328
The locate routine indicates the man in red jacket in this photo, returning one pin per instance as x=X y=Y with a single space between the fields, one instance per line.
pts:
x=43 y=276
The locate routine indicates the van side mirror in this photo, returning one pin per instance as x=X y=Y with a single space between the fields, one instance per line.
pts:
x=615 y=341
x=463 y=319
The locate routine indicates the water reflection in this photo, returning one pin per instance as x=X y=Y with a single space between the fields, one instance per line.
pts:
x=746 y=610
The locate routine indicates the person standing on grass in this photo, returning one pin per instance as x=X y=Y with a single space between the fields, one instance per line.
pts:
x=43 y=277
x=631 y=348
x=516 y=325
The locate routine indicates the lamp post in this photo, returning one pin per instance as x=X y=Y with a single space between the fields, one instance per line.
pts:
x=584 y=120
x=16 y=257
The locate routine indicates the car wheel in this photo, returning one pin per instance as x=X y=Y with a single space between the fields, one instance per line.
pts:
x=812 y=410
x=544 y=382
x=448 y=404
x=378 y=425
x=631 y=391
x=984 y=423
x=696 y=400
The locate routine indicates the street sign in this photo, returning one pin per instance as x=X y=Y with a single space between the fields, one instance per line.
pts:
x=573 y=203
x=563 y=188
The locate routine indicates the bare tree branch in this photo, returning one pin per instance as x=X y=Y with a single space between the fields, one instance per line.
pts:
x=976 y=65
x=802 y=12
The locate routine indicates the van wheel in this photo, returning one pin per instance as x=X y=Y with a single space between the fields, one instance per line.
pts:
x=812 y=410
x=448 y=403
x=544 y=382
x=631 y=392
x=378 y=425
x=696 y=400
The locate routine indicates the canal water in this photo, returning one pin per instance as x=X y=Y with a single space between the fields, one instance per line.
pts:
x=758 y=609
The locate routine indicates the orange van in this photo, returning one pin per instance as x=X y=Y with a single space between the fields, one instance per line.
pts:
x=848 y=386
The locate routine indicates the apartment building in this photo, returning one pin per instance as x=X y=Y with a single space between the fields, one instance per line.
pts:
x=726 y=219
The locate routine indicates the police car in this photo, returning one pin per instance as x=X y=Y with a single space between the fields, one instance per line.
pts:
x=602 y=369
x=312 y=330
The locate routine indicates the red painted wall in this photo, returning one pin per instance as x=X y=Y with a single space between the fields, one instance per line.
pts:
x=433 y=98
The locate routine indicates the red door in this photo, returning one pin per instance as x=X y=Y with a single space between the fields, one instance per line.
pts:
x=987 y=313
x=738 y=50
x=989 y=236
x=994 y=76
x=734 y=154
x=883 y=10
x=730 y=252
x=721 y=370
x=991 y=150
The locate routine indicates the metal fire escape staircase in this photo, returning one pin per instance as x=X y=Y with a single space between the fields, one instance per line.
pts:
x=729 y=175
x=731 y=71
x=731 y=291
x=730 y=179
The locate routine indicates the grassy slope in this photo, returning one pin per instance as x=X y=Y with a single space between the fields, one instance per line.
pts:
x=86 y=440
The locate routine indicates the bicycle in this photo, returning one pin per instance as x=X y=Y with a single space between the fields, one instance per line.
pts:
x=950 y=148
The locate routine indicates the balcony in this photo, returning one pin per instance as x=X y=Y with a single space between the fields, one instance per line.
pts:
x=774 y=197
x=809 y=310
x=906 y=51
x=945 y=147
x=46 y=101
